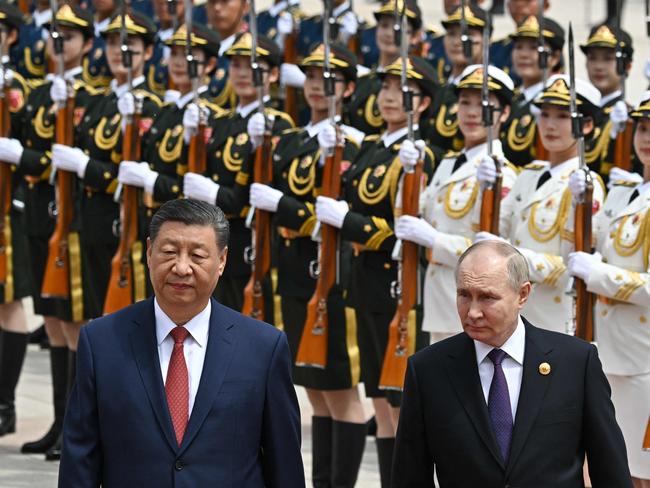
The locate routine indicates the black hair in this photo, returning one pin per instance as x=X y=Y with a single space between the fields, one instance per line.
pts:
x=192 y=212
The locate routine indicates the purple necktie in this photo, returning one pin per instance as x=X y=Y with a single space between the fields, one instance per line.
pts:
x=499 y=405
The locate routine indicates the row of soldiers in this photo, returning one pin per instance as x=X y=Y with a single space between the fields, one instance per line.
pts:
x=443 y=132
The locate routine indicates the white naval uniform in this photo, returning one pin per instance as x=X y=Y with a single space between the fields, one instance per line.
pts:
x=622 y=320
x=451 y=204
x=534 y=220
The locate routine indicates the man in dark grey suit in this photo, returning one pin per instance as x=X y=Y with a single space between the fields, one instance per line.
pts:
x=505 y=404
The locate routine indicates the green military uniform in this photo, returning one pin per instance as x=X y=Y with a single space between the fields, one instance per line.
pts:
x=99 y=134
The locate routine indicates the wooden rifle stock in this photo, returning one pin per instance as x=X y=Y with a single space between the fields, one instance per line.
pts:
x=400 y=345
x=623 y=148
x=291 y=94
x=196 y=155
x=120 y=286
x=540 y=151
x=491 y=206
x=23 y=5
x=5 y=188
x=646 y=438
x=312 y=350
x=253 y=305
x=56 y=281
x=584 y=299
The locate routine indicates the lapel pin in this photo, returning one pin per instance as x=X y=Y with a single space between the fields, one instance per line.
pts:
x=544 y=369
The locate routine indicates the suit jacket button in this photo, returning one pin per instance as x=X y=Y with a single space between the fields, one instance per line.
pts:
x=178 y=466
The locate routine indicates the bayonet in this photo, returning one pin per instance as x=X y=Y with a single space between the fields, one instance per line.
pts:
x=464 y=33
x=542 y=51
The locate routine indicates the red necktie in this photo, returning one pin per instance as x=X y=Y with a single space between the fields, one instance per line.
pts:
x=177 y=385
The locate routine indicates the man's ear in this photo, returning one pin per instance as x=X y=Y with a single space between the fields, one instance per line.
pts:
x=149 y=248
x=223 y=258
x=524 y=293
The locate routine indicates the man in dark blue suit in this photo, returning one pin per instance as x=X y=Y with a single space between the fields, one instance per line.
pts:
x=178 y=390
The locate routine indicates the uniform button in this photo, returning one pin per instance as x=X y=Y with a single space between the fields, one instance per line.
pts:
x=178 y=465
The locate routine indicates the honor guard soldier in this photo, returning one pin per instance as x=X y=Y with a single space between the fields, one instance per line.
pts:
x=278 y=19
x=31 y=152
x=361 y=109
x=451 y=204
x=366 y=219
x=235 y=135
x=227 y=18
x=14 y=254
x=619 y=274
x=28 y=56
x=534 y=213
x=441 y=129
x=98 y=152
x=338 y=425
x=600 y=50
x=96 y=70
x=164 y=148
x=520 y=137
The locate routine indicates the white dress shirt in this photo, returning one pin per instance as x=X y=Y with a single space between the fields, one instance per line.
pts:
x=194 y=346
x=512 y=365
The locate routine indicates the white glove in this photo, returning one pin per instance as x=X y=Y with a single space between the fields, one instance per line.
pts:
x=6 y=76
x=70 y=159
x=292 y=75
x=285 y=23
x=190 y=121
x=264 y=197
x=487 y=236
x=618 y=116
x=327 y=138
x=137 y=174
x=172 y=95
x=331 y=212
x=348 y=26
x=410 y=152
x=201 y=188
x=255 y=128
x=59 y=90
x=577 y=183
x=617 y=174
x=11 y=150
x=126 y=104
x=580 y=264
x=415 y=229
x=487 y=170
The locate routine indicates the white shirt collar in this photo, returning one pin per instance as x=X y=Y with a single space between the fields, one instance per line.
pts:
x=532 y=91
x=275 y=9
x=643 y=188
x=4 y=59
x=42 y=17
x=189 y=96
x=481 y=149
x=100 y=26
x=562 y=167
x=165 y=34
x=246 y=110
x=198 y=326
x=340 y=9
x=71 y=73
x=314 y=129
x=453 y=80
x=389 y=139
x=226 y=44
x=122 y=89
x=514 y=347
x=608 y=98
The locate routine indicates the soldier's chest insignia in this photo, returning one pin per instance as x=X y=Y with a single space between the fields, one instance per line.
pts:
x=44 y=123
x=177 y=131
x=460 y=198
x=16 y=100
x=39 y=45
x=116 y=118
x=107 y=133
x=241 y=139
x=548 y=216
x=306 y=162
x=525 y=120
x=302 y=175
x=345 y=165
x=220 y=74
x=379 y=171
x=78 y=115
x=171 y=145
x=453 y=109
x=98 y=53
x=630 y=232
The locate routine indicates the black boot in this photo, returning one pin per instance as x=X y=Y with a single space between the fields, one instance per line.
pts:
x=12 y=354
x=321 y=452
x=59 y=366
x=385 y=448
x=348 y=441
x=54 y=453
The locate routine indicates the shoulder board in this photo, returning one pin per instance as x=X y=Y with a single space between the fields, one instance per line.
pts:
x=282 y=115
x=216 y=109
x=503 y=41
x=535 y=166
x=34 y=83
x=291 y=130
x=430 y=29
x=367 y=73
x=147 y=94
x=629 y=184
x=512 y=166
x=351 y=140
x=371 y=138
x=451 y=154
x=18 y=77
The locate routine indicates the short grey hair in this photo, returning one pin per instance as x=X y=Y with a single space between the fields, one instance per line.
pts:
x=192 y=212
x=516 y=264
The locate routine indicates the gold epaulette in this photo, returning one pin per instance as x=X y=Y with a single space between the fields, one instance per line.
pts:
x=216 y=109
x=291 y=130
x=535 y=166
x=627 y=183
x=451 y=154
x=282 y=115
x=371 y=137
x=147 y=94
x=512 y=167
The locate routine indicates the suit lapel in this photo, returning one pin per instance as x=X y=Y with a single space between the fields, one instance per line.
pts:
x=145 y=352
x=533 y=390
x=218 y=357
x=463 y=374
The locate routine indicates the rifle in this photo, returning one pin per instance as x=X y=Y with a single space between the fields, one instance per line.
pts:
x=464 y=33
x=6 y=173
x=584 y=317
x=646 y=438
x=258 y=255
x=56 y=280
x=624 y=140
x=491 y=202
x=401 y=344
x=23 y=6
x=120 y=285
x=173 y=13
x=312 y=350
x=196 y=156
x=542 y=59
x=291 y=56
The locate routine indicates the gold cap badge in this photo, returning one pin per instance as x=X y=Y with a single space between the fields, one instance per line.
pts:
x=544 y=369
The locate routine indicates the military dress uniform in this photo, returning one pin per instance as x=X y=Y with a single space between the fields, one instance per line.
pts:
x=99 y=134
x=267 y=20
x=220 y=89
x=96 y=71
x=28 y=55
x=311 y=28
